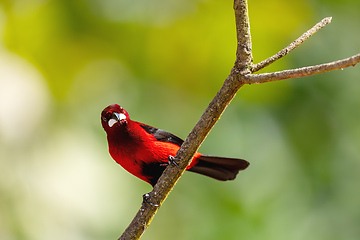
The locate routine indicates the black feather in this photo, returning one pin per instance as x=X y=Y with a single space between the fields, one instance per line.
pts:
x=153 y=171
x=220 y=168
x=162 y=135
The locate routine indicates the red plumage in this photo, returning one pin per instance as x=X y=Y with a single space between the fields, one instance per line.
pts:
x=144 y=150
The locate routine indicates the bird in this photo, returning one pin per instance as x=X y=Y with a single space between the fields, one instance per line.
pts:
x=145 y=151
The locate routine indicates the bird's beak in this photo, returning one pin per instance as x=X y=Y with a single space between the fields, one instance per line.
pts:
x=116 y=117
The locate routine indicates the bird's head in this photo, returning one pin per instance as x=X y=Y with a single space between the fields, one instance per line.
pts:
x=113 y=117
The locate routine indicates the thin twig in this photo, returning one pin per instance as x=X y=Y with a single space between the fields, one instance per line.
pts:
x=302 y=72
x=244 y=50
x=292 y=45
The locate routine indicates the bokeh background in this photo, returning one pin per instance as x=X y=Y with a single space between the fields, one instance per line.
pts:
x=63 y=61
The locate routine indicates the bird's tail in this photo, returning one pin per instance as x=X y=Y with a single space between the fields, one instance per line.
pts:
x=220 y=168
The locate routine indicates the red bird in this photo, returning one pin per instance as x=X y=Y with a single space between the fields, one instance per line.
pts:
x=144 y=151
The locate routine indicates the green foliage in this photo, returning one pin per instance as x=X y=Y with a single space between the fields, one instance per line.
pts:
x=62 y=62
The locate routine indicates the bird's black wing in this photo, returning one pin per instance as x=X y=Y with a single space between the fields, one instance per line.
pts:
x=162 y=135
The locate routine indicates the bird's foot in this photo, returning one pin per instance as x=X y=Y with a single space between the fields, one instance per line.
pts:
x=146 y=200
x=172 y=160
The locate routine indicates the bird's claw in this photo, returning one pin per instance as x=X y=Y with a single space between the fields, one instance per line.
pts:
x=146 y=198
x=172 y=160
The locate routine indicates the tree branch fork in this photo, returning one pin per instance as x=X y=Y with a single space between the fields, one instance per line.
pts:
x=298 y=72
x=242 y=73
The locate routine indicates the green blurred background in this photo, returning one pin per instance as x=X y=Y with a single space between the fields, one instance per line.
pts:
x=63 y=61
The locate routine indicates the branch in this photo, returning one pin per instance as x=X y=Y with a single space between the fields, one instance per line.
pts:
x=240 y=75
x=192 y=143
x=302 y=72
x=292 y=45
x=244 y=50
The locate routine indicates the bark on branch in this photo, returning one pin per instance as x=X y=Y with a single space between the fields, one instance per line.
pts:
x=240 y=74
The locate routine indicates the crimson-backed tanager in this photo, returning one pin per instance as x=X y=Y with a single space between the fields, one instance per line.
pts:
x=144 y=150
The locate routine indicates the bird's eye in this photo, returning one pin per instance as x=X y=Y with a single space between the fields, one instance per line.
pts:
x=104 y=119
